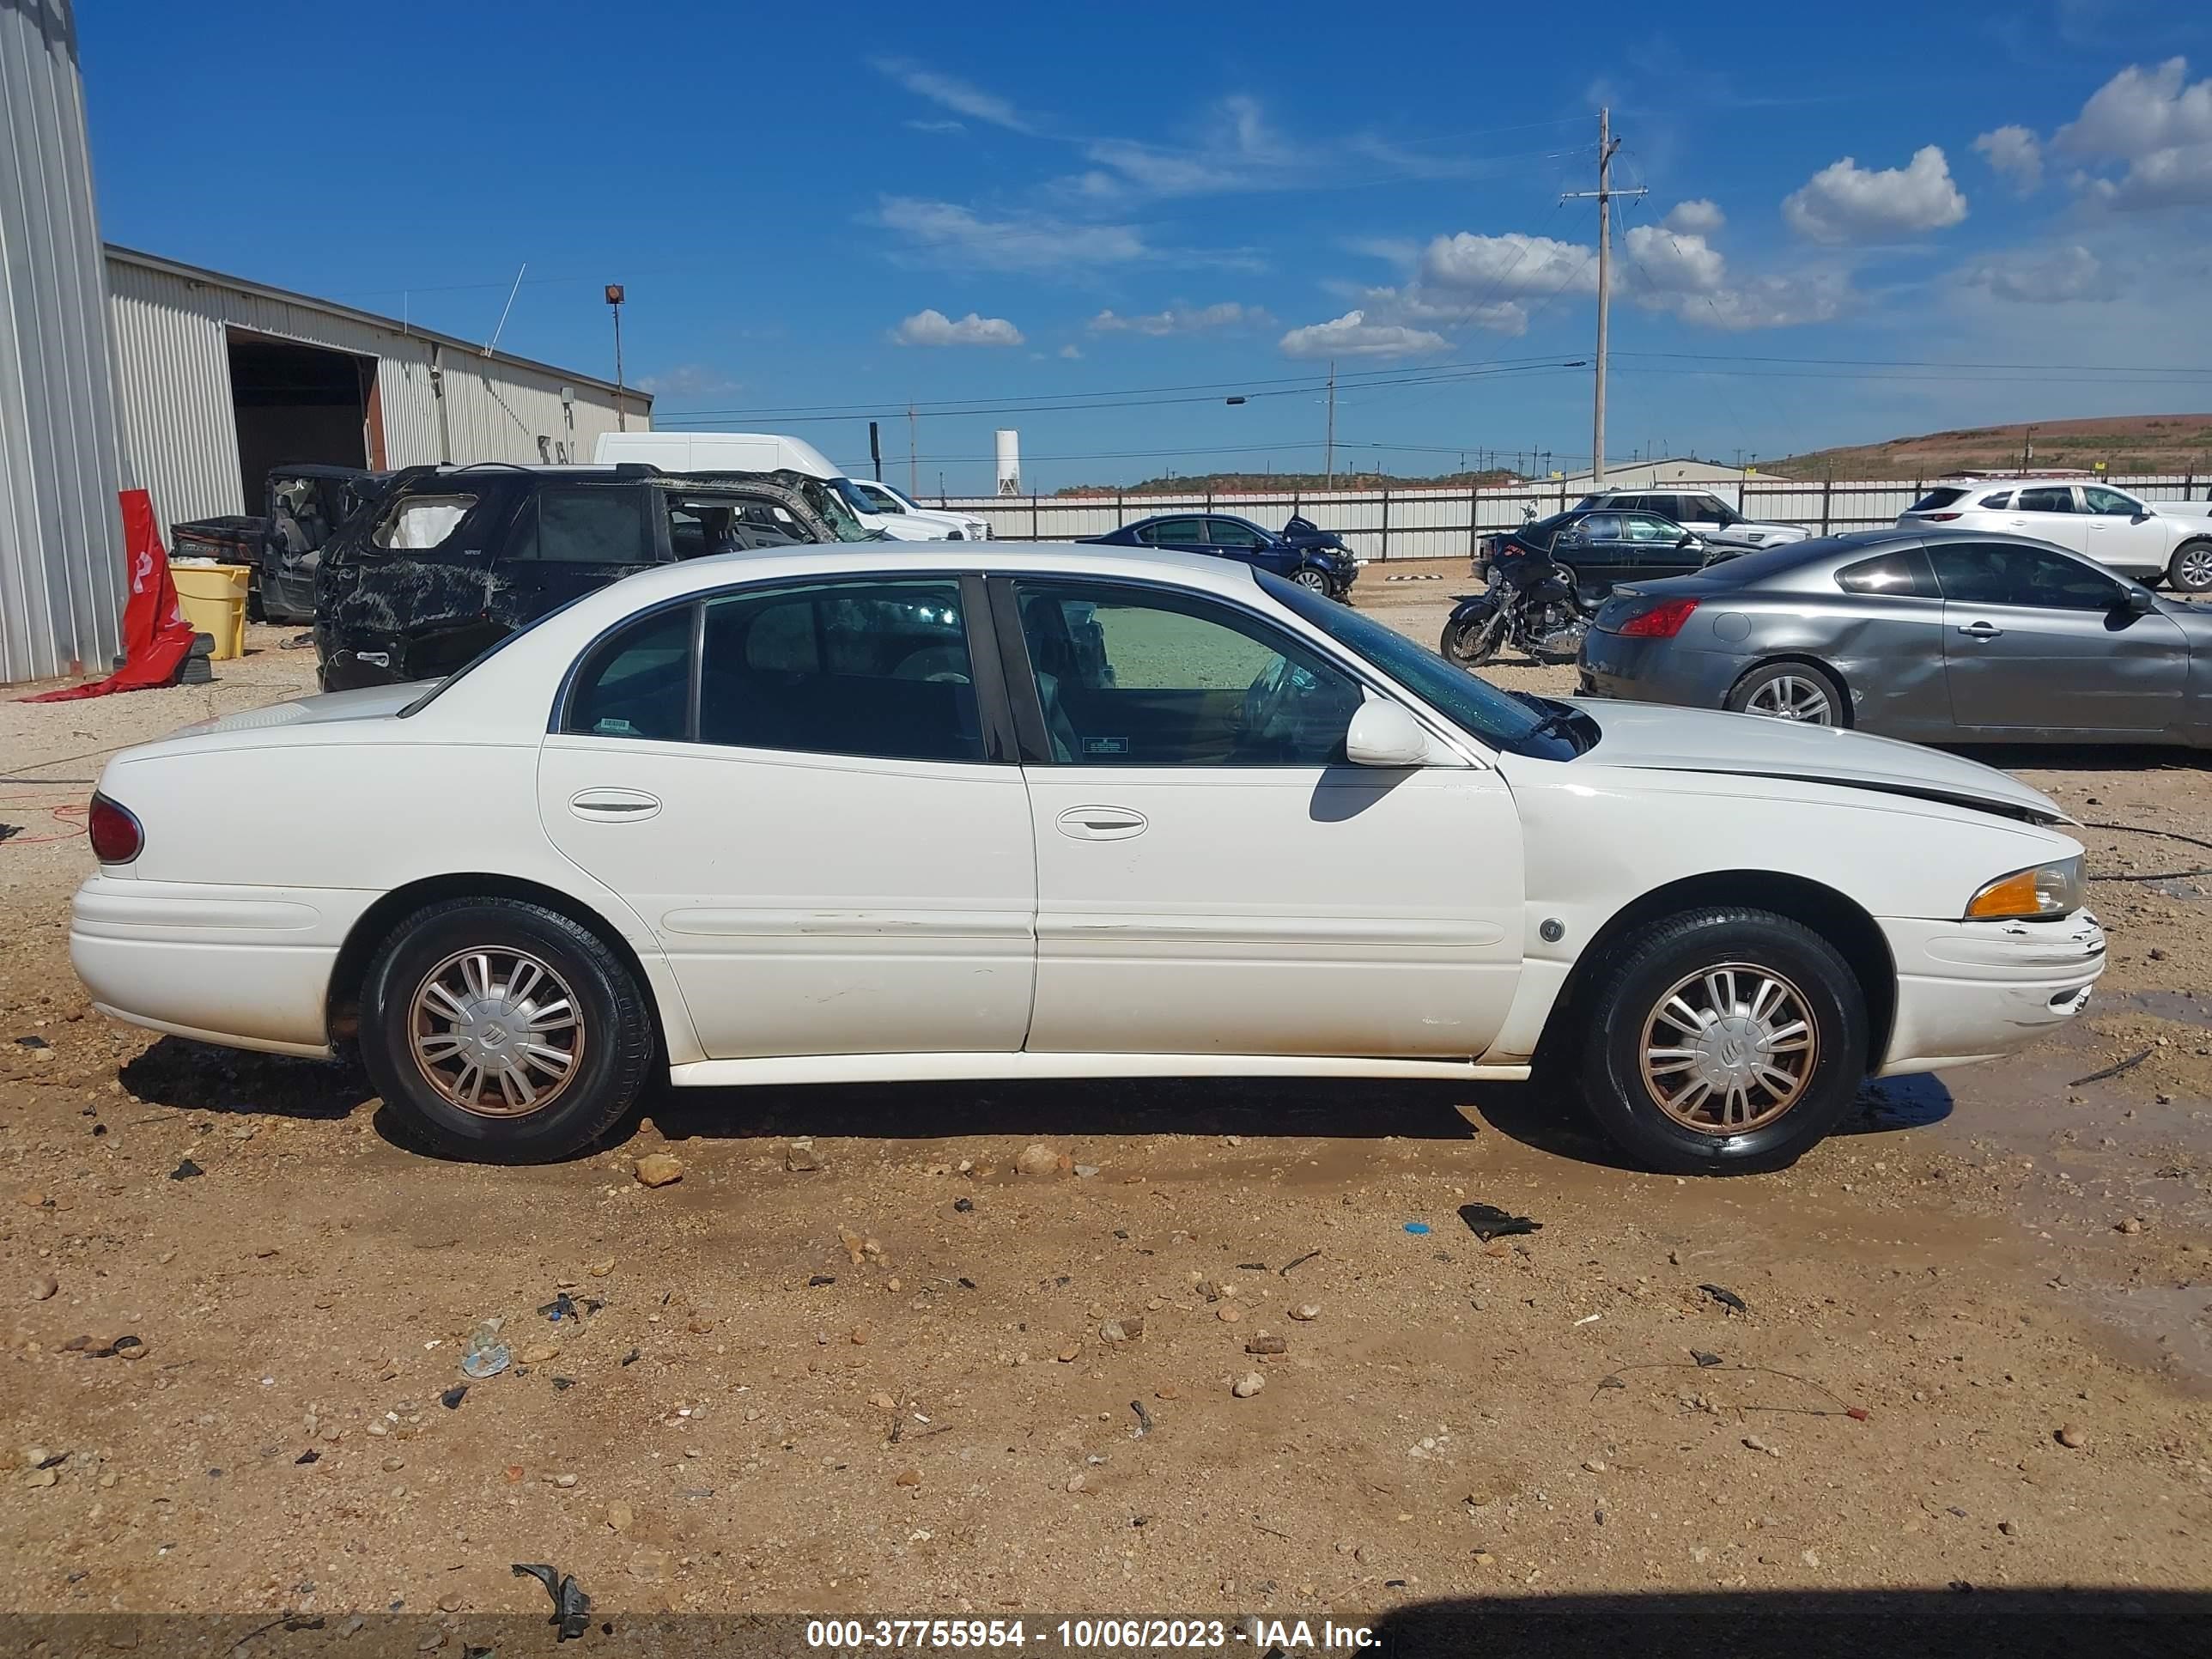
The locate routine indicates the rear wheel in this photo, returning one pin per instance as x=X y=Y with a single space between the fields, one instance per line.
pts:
x=2191 y=568
x=1724 y=1040
x=1790 y=691
x=503 y=1031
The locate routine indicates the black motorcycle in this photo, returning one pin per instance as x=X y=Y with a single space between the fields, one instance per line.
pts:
x=1531 y=606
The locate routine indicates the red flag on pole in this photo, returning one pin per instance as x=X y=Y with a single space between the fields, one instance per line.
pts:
x=156 y=638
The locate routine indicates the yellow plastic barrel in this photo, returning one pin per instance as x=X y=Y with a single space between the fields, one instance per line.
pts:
x=213 y=597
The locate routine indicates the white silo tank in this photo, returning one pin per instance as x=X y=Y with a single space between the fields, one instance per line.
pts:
x=1010 y=461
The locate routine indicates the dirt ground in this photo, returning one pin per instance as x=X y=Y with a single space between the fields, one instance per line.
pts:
x=854 y=1361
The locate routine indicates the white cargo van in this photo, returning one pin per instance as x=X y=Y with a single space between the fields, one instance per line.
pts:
x=770 y=452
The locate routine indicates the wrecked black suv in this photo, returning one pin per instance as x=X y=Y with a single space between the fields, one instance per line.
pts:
x=454 y=559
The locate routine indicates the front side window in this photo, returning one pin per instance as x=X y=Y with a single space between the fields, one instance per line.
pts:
x=871 y=666
x=1233 y=532
x=2109 y=502
x=2005 y=573
x=875 y=498
x=1642 y=527
x=419 y=523
x=704 y=525
x=637 y=682
x=2058 y=500
x=587 y=524
x=1134 y=677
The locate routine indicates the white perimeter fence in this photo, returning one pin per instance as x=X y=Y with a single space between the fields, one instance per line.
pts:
x=1446 y=524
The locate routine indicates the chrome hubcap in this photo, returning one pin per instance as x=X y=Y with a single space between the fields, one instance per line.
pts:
x=2197 y=567
x=497 y=1032
x=1729 y=1049
x=1791 y=698
x=1311 y=579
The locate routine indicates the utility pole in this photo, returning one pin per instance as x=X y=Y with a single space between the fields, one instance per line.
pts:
x=2027 y=449
x=913 y=438
x=1607 y=143
x=1328 y=453
x=615 y=305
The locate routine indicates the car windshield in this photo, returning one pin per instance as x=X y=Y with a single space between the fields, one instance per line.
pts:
x=1548 y=731
x=832 y=499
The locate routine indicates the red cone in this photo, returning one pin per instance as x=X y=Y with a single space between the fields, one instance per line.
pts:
x=156 y=638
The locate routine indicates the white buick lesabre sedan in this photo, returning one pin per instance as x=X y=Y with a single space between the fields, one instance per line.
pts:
x=1021 y=812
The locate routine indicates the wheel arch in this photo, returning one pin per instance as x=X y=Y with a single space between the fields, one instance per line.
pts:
x=1803 y=659
x=342 y=1004
x=1835 y=916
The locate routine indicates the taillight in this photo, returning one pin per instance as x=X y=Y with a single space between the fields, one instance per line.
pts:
x=1662 y=622
x=1941 y=518
x=116 y=836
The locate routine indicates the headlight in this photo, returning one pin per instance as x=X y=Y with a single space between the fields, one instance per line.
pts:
x=2038 y=893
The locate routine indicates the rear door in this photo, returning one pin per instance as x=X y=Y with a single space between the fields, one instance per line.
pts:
x=1179 y=535
x=2050 y=514
x=570 y=539
x=2034 y=640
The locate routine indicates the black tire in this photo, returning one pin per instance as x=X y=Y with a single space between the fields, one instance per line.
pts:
x=1761 y=691
x=615 y=1037
x=2190 y=569
x=1473 y=641
x=1625 y=1002
x=257 y=609
x=1313 y=576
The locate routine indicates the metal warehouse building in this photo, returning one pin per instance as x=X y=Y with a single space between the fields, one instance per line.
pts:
x=219 y=378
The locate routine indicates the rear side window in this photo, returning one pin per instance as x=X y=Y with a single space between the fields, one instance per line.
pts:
x=637 y=683
x=1999 y=502
x=2060 y=499
x=865 y=667
x=1902 y=574
x=586 y=526
x=1936 y=500
x=419 y=523
x=1171 y=533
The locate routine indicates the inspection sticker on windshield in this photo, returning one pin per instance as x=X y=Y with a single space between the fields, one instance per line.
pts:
x=1105 y=745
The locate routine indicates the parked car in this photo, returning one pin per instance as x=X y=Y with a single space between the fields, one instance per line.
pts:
x=306 y=505
x=1944 y=636
x=1602 y=547
x=2150 y=541
x=873 y=495
x=697 y=453
x=1700 y=511
x=1303 y=553
x=454 y=559
x=824 y=814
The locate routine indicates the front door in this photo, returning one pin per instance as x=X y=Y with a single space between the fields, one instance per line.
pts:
x=2032 y=638
x=1597 y=550
x=2117 y=531
x=1212 y=876
x=792 y=785
x=2047 y=513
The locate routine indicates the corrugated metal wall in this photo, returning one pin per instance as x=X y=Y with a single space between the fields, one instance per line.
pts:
x=62 y=584
x=180 y=432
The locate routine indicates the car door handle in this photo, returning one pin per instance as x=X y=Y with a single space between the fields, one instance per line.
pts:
x=1982 y=630
x=1102 y=822
x=613 y=806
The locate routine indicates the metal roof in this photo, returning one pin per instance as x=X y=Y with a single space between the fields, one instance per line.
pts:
x=245 y=285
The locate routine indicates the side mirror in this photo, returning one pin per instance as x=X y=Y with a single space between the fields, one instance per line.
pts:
x=2140 y=518
x=1385 y=734
x=2138 y=602
x=1687 y=540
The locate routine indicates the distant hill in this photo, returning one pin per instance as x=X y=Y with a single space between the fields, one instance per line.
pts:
x=1256 y=483
x=2125 y=443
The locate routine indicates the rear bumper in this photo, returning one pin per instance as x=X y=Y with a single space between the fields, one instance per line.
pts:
x=1657 y=671
x=246 y=966
x=1974 y=990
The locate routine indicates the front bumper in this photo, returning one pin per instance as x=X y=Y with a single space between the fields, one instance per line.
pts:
x=1974 y=990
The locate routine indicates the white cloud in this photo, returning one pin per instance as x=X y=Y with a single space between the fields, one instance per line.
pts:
x=1668 y=263
x=688 y=380
x=1509 y=266
x=1071 y=350
x=2066 y=274
x=1847 y=203
x=2014 y=153
x=934 y=328
x=1770 y=301
x=1414 y=303
x=1699 y=217
x=2155 y=122
x=952 y=92
x=939 y=126
x=948 y=234
x=1352 y=336
x=1181 y=319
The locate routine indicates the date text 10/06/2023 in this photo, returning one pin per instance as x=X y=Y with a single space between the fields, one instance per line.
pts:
x=1109 y=1634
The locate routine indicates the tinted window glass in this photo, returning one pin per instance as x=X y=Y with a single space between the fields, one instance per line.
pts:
x=1601 y=527
x=1644 y=527
x=1935 y=500
x=1999 y=502
x=1174 y=532
x=638 y=682
x=2110 y=502
x=418 y=522
x=1228 y=533
x=1897 y=573
x=864 y=667
x=1130 y=676
x=2060 y=499
x=1998 y=573
x=588 y=527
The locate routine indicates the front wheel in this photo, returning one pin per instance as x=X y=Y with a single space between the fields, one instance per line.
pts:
x=1474 y=639
x=2190 y=570
x=1311 y=576
x=503 y=1031
x=1722 y=1040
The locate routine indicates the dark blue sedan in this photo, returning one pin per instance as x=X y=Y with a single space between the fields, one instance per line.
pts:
x=1301 y=552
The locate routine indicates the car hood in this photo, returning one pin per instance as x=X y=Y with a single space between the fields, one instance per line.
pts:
x=1651 y=737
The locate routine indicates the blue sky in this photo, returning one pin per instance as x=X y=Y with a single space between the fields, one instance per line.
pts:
x=1081 y=211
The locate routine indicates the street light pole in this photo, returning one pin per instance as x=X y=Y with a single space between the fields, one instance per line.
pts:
x=615 y=305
